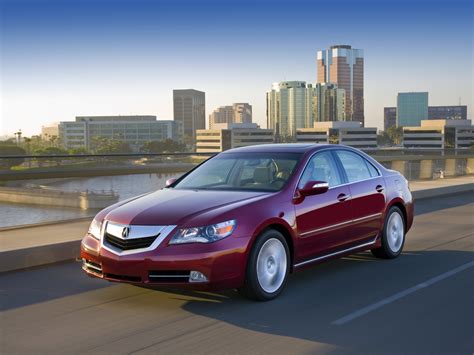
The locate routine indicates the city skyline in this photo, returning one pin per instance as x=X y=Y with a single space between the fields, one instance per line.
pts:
x=60 y=61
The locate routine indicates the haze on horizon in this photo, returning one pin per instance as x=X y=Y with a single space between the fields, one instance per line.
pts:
x=61 y=59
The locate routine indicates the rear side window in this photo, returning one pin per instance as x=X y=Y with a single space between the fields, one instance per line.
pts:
x=372 y=170
x=355 y=166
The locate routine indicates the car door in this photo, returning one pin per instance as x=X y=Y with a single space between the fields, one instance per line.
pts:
x=322 y=220
x=367 y=189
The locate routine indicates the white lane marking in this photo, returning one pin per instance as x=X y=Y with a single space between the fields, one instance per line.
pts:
x=397 y=296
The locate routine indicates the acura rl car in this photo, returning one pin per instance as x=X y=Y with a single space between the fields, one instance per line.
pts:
x=248 y=217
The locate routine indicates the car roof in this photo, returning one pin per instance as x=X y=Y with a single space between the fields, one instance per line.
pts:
x=279 y=148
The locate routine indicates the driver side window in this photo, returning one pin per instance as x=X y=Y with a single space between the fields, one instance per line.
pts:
x=321 y=167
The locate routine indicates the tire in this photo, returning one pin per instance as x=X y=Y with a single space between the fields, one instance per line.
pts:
x=267 y=267
x=393 y=237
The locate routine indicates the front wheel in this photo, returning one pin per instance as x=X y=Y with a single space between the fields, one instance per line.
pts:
x=393 y=237
x=268 y=267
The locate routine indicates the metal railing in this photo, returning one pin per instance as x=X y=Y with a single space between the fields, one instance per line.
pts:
x=414 y=164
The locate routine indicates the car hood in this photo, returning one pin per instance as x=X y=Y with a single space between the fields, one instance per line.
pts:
x=174 y=207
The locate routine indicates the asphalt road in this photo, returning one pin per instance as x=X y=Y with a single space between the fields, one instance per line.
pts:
x=421 y=302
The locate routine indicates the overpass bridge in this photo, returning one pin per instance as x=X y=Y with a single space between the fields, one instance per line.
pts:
x=418 y=303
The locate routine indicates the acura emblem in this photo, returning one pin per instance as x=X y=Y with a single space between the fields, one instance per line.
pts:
x=125 y=232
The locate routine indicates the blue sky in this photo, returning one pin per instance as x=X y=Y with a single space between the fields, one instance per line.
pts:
x=64 y=58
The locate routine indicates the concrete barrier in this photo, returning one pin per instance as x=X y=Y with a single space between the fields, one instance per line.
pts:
x=57 y=198
x=38 y=255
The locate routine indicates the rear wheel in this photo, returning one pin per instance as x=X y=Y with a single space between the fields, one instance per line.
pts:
x=393 y=237
x=268 y=267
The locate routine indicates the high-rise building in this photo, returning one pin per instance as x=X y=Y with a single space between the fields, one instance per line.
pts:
x=344 y=66
x=134 y=130
x=412 y=108
x=447 y=112
x=189 y=107
x=328 y=103
x=237 y=113
x=242 y=112
x=289 y=107
x=389 y=117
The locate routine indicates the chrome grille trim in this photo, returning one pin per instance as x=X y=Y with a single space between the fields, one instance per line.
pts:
x=135 y=232
x=91 y=267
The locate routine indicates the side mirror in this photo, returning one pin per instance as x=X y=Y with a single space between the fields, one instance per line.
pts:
x=170 y=182
x=314 y=188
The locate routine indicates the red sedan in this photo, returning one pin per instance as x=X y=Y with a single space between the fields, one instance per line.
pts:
x=248 y=217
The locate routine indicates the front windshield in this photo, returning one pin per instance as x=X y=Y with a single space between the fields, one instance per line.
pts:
x=242 y=171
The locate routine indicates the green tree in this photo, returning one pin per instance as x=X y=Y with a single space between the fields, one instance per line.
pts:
x=383 y=139
x=164 y=146
x=77 y=151
x=11 y=149
x=334 y=139
x=395 y=134
x=104 y=145
x=54 y=151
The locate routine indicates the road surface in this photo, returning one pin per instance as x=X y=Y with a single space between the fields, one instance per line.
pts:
x=421 y=302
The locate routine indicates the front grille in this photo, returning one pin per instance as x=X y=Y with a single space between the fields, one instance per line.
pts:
x=166 y=276
x=129 y=244
x=126 y=278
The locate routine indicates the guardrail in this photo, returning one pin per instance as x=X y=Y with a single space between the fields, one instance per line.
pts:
x=413 y=164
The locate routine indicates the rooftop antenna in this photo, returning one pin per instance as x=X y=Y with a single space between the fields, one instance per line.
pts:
x=459 y=100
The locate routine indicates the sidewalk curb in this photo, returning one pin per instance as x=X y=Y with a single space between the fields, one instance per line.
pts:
x=48 y=254
x=41 y=255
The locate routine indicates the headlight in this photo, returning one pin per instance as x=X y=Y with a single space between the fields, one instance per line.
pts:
x=94 y=229
x=207 y=234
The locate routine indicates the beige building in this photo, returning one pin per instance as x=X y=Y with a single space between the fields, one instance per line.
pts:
x=226 y=136
x=237 y=113
x=48 y=132
x=439 y=134
x=347 y=133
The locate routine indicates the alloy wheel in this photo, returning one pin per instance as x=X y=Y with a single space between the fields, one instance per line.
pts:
x=271 y=265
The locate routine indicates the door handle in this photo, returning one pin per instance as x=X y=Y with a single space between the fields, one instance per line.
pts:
x=379 y=188
x=342 y=197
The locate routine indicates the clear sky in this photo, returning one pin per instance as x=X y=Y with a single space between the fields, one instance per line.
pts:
x=62 y=58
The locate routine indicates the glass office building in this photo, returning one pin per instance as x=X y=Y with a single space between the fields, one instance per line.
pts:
x=134 y=130
x=344 y=66
x=289 y=107
x=412 y=108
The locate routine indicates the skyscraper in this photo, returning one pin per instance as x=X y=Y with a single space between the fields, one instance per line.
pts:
x=412 y=108
x=242 y=112
x=289 y=107
x=328 y=103
x=237 y=113
x=344 y=66
x=189 y=107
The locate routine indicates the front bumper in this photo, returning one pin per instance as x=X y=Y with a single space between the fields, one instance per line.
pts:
x=223 y=264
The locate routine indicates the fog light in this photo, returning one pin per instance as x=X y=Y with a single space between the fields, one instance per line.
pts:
x=196 y=276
